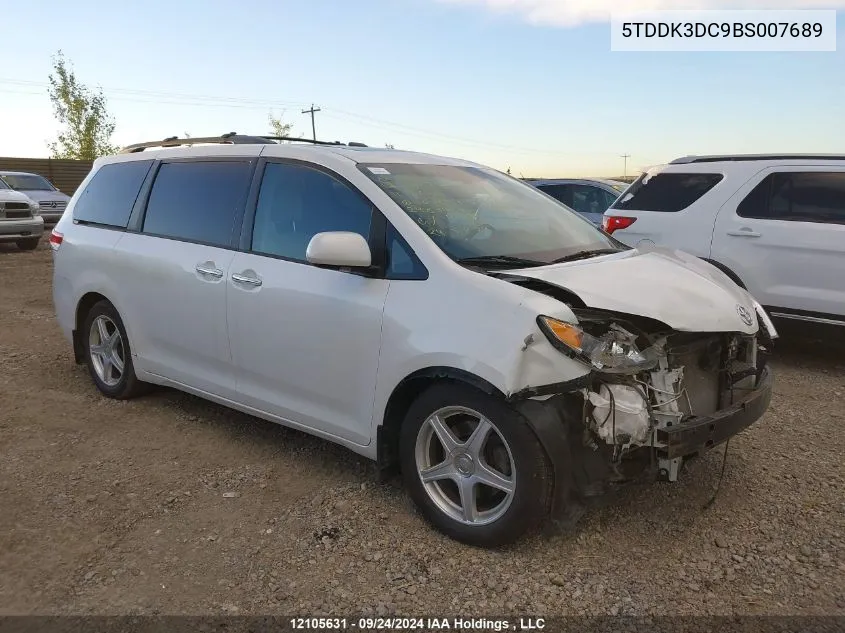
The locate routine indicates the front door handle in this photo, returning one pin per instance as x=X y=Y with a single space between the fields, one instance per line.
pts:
x=209 y=269
x=243 y=279
x=744 y=232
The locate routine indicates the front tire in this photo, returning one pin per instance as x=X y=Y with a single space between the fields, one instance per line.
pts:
x=108 y=355
x=473 y=466
x=29 y=244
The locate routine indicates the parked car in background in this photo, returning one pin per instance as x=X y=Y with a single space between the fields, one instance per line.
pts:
x=588 y=196
x=429 y=313
x=774 y=223
x=20 y=221
x=51 y=201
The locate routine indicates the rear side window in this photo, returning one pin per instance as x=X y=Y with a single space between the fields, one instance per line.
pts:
x=589 y=199
x=561 y=193
x=198 y=201
x=110 y=195
x=667 y=192
x=797 y=197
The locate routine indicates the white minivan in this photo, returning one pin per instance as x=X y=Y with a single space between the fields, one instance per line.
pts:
x=512 y=365
x=774 y=223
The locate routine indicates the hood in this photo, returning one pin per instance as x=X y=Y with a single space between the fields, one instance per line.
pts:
x=10 y=195
x=671 y=286
x=40 y=195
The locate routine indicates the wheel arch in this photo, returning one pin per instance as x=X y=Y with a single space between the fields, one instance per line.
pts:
x=730 y=273
x=83 y=307
x=403 y=394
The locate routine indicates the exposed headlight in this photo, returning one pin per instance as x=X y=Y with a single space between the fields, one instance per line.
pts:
x=608 y=353
x=35 y=208
x=765 y=319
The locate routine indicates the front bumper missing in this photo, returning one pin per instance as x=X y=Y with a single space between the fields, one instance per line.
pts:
x=699 y=434
x=580 y=473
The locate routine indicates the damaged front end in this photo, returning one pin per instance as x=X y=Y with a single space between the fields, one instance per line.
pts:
x=654 y=397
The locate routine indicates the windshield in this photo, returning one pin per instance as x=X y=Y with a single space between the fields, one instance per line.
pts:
x=3 y=184
x=27 y=182
x=473 y=212
x=620 y=187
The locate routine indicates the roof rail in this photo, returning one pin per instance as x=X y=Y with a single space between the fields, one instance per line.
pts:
x=752 y=157
x=231 y=138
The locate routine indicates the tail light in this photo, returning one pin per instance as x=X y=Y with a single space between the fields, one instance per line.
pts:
x=611 y=223
x=56 y=240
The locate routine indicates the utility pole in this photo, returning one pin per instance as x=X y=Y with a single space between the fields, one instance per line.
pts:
x=625 y=158
x=311 y=112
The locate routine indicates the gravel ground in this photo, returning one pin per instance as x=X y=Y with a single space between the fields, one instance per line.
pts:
x=169 y=504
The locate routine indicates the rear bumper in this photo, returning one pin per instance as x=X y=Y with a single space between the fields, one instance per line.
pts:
x=701 y=433
x=12 y=230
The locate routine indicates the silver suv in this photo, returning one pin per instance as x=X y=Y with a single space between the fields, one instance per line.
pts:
x=20 y=221
x=51 y=202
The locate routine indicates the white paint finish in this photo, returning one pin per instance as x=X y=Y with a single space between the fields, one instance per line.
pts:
x=798 y=265
x=784 y=264
x=339 y=248
x=83 y=265
x=178 y=315
x=467 y=321
x=323 y=350
x=671 y=286
x=305 y=343
x=688 y=229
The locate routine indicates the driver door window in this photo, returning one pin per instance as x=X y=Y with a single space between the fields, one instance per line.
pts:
x=295 y=203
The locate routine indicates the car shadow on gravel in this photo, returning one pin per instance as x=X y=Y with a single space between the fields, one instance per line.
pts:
x=813 y=346
x=261 y=434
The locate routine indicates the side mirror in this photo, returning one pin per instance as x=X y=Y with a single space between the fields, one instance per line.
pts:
x=342 y=249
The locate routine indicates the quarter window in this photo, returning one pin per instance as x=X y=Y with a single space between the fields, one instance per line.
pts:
x=402 y=263
x=797 y=197
x=295 y=203
x=198 y=201
x=666 y=192
x=110 y=195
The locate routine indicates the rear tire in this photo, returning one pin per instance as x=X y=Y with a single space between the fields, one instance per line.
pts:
x=108 y=355
x=29 y=244
x=487 y=478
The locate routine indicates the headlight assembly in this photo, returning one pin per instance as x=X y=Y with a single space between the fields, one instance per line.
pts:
x=613 y=352
x=765 y=320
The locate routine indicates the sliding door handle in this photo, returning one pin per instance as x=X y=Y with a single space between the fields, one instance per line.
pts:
x=209 y=270
x=243 y=279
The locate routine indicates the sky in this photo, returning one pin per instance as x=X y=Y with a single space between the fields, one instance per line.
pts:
x=530 y=85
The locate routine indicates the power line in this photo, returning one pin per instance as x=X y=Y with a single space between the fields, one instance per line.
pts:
x=170 y=98
x=312 y=111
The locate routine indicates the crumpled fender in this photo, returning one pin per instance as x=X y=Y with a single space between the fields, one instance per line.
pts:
x=576 y=469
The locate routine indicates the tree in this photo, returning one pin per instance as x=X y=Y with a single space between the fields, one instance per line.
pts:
x=87 y=125
x=277 y=127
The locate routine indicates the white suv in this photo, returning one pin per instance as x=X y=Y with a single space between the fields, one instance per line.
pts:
x=774 y=224
x=511 y=367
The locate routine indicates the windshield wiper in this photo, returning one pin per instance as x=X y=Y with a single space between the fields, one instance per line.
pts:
x=586 y=254
x=499 y=260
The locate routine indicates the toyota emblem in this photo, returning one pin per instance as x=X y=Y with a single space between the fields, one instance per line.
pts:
x=744 y=314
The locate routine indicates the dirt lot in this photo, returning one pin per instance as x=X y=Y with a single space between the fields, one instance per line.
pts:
x=169 y=504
